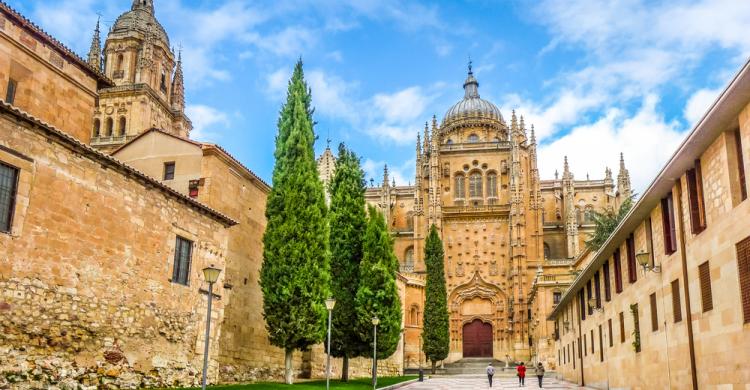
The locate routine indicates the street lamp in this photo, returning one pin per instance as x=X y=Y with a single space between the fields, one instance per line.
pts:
x=643 y=259
x=211 y=274
x=375 y=322
x=330 y=303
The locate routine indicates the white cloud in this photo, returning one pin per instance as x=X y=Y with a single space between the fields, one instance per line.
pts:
x=206 y=122
x=698 y=104
x=645 y=138
x=292 y=41
x=405 y=105
x=390 y=118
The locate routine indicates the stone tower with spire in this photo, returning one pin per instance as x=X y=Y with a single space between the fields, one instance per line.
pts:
x=95 y=51
x=149 y=89
x=623 y=180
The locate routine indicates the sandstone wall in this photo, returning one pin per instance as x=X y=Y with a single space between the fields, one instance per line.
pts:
x=86 y=271
x=50 y=86
x=720 y=335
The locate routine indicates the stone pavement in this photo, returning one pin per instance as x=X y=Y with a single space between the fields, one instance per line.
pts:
x=475 y=382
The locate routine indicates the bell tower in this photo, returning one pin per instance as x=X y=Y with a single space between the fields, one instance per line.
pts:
x=149 y=84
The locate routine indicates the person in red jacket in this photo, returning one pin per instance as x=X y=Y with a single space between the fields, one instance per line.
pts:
x=521 y=370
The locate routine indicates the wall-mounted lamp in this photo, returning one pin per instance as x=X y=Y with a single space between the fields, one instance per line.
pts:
x=644 y=259
x=593 y=306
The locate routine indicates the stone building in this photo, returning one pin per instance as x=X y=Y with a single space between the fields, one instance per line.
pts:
x=477 y=180
x=665 y=302
x=109 y=213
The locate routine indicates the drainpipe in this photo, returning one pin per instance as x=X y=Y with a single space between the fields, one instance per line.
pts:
x=686 y=287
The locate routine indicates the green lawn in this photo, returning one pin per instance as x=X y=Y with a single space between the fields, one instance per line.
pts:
x=354 y=384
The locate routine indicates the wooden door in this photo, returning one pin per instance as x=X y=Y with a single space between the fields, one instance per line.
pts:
x=477 y=339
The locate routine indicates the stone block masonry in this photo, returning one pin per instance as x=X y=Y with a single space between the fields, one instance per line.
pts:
x=86 y=297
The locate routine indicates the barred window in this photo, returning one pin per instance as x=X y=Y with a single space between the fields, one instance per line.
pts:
x=8 y=181
x=475 y=185
x=169 y=170
x=183 y=253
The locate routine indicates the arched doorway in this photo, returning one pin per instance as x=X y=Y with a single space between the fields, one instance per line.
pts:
x=477 y=339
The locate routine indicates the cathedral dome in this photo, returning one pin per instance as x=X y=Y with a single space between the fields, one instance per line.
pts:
x=472 y=106
x=140 y=19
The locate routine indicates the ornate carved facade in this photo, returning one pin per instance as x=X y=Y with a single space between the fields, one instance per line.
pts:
x=477 y=180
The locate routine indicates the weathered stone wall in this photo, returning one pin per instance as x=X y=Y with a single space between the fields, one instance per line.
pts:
x=85 y=273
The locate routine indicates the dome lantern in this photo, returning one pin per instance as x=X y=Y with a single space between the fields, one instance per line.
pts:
x=471 y=106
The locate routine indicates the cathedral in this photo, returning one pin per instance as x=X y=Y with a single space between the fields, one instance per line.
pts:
x=504 y=229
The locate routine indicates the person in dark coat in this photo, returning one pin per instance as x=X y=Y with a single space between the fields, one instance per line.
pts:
x=490 y=373
x=539 y=371
x=521 y=370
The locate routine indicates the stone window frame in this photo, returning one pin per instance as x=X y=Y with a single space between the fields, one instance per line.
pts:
x=171 y=243
x=26 y=172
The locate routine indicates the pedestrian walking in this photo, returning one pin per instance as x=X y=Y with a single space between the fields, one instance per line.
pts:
x=521 y=370
x=539 y=371
x=490 y=373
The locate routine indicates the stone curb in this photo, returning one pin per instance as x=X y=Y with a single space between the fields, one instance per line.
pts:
x=398 y=385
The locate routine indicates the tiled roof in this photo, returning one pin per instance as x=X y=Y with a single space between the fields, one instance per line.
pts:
x=112 y=162
x=50 y=40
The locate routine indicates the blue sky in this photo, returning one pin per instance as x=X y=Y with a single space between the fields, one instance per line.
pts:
x=632 y=76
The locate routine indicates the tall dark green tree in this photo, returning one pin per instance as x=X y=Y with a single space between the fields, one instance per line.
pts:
x=295 y=276
x=606 y=222
x=377 y=294
x=348 y=220
x=435 y=336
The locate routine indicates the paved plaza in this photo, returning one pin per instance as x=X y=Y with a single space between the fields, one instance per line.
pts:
x=474 y=382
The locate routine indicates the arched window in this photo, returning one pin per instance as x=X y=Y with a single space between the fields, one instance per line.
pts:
x=97 y=127
x=492 y=185
x=108 y=130
x=449 y=141
x=121 y=130
x=475 y=185
x=120 y=60
x=460 y=182
x=547 y=251
x=410 y=221
x=473 y=138
x=163 y=85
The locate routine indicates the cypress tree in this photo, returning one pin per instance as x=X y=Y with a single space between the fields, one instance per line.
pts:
x=435 y=333
x=294 y=277
x=347 y=221
x=377 y=294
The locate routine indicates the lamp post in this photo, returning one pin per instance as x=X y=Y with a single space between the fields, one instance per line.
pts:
x=330 y=303
x=211 y=274
x=375 y=322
